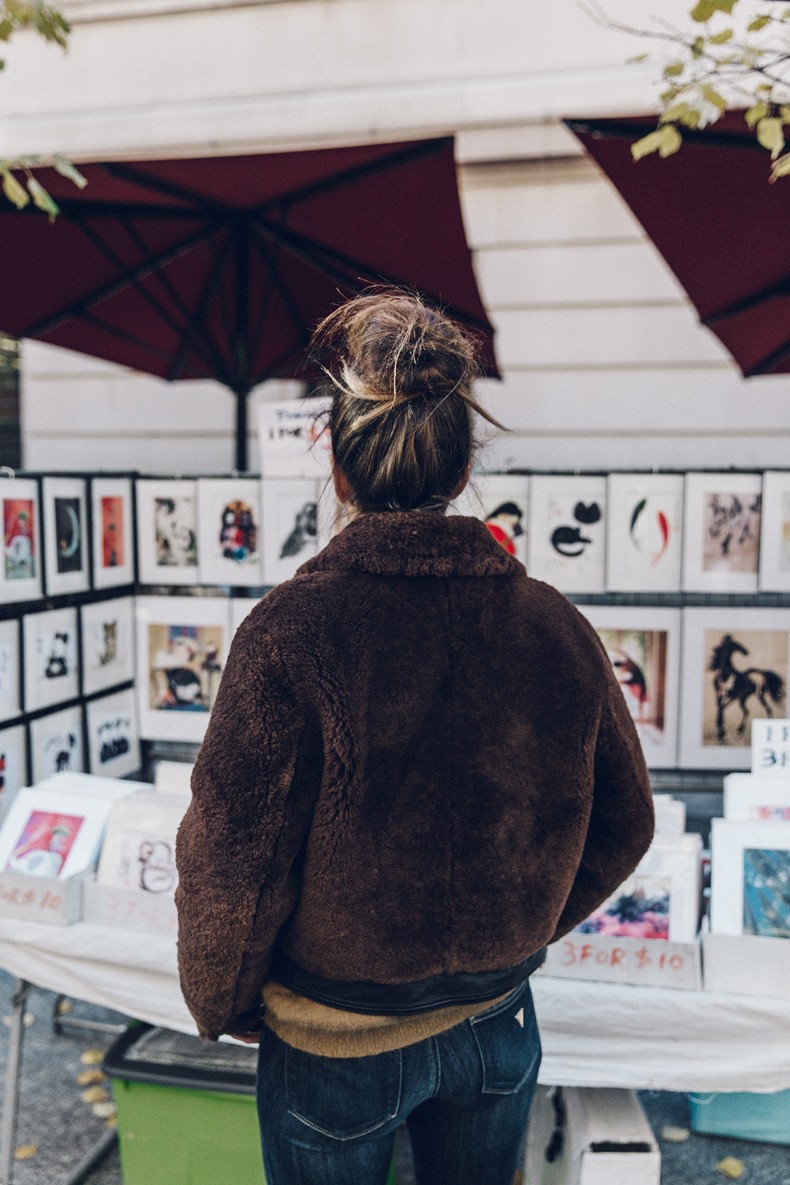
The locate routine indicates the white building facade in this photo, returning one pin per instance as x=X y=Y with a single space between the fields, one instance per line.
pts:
x=604 y=363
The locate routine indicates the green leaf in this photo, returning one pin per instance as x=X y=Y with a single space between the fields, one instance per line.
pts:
x=785 y=114
x=771 y=135
x=758 y=23
x=721 y=38
x=704 y=9
x=665 y=140
x=13 y=190
x=673 y=69
x=781 y=167
x=697 y=47
x=755 y=113
x=69 y=171
x=42 y=199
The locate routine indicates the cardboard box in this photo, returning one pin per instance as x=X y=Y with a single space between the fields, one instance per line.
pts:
x=745 y=964
x=655 y=962
x=744 y=1116
x=131 y=909
x=587 y=1136
x=52 y=899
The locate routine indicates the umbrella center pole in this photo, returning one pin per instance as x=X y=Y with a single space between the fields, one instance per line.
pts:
x=241 y=394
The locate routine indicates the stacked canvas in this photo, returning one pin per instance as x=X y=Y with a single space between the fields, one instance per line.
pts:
x=746 y=949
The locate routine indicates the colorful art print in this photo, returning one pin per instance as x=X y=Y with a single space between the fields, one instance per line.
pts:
x=722 y=532
x=19 y=538
x=289 y=517
x=10 y=686
x=44 y=843
x=181 y=648
x=750 y=877
x=752 y=796
x=56 y=743
x=766 y=892
x=66 y=553
x=775 y=534
x=13 y=764
x=501 y=500
x=644 y=532
x=229 y=534
x=167 y=531
x=566 y=534
x=736 y=664
x=113 y=740
x=639 y=909
x=51 y=657
x=107 y=643
x=113 y=558
x=293 y=437
x=643 y=645
x=184 y=666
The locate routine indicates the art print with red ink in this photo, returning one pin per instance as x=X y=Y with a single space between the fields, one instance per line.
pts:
x=44 y=844
x=644 y=549
x=112 y=531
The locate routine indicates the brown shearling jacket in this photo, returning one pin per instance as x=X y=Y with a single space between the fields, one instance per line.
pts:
x=418 y=771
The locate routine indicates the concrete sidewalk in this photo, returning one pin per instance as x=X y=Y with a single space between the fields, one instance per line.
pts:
x=54 y=1117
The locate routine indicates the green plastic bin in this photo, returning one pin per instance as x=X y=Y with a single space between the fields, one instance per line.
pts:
x=186 y=1109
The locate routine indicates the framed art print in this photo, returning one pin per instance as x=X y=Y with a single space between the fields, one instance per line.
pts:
x=111 y=529
x=644 y=531
x=140 y=841
x=107 y=643
x=113 y=738
x=721 y=536
x=13 y=764
x=662 y=897
x=56 y=743
x=293 y=437
x=775 y=534
x=66 y=550
x=643 y=645
x=49 y=833
x=229 y=531
x=566 y=536
x=10 y=670
x=501 y=500
x=735 y=669
x=289 y=521
x=51 y=657
x=21 y=567
x=167 y=531
x=750 y=796
x=182 y=644
x=750 y=878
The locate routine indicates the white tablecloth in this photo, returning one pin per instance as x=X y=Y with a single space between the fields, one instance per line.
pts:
x=593 y=1034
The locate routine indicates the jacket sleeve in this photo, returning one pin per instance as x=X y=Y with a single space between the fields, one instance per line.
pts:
x=253 y=792
x=621 y=818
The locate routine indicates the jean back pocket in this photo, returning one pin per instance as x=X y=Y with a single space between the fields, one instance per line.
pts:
x=508 y=1043
x=343 y=1098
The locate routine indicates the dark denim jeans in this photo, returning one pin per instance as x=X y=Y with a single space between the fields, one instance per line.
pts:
x=464 y=1095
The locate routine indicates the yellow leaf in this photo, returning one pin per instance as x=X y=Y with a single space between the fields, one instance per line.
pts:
x=755 y=113
x=721 y=38
x=90 y=1077
x=781 y=167
x=14 y=191
x=665 y=140
x=41 y=198
x=713 y=96
x=94 y=1094
x=25 y=1151
x=673 y=69
x=785 y=114
x=731 y=1167
x=771 y=136
x=92 y=1057
x=758 y=23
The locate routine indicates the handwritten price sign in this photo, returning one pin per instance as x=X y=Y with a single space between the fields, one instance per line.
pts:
x=655 y=962
x=771 y=748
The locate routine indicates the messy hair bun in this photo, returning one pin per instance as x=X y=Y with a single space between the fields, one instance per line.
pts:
x=402 y=415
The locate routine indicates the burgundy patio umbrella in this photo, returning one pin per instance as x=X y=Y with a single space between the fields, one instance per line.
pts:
x=719 y=224
x=220 y=267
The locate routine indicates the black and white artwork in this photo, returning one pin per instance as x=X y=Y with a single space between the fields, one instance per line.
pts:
x=167 y=531
x=56 y=743
x=566 y=535
x=113 y=738
x=290 y=512
x=51 y=657
x=107 y=643
x=66 y=544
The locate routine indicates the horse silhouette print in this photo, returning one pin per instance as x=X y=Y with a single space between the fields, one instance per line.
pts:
x=735 y=686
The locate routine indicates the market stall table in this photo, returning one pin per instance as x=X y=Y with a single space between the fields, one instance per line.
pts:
x=593 y=1034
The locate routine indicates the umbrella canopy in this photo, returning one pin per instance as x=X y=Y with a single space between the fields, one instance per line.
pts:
x=220 y=267
x=718 y=223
